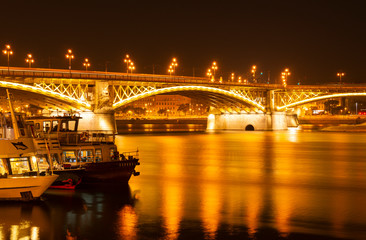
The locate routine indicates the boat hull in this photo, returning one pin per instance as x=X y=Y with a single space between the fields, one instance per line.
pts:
x=68 y=178
x=118 y=172
x=24 y=187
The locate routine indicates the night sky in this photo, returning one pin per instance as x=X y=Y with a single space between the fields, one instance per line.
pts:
x=315 y=39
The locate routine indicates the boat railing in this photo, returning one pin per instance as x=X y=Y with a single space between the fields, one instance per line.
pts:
x=80 y=137
x=132 y=155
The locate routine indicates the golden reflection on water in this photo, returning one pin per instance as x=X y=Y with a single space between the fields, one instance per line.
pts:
x=290 y=181
x=127 y=223
x=172 y=208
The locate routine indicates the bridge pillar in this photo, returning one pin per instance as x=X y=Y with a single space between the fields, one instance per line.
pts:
x=250 y=121
x=270 y=101
x=97 y=122
x=102 y=116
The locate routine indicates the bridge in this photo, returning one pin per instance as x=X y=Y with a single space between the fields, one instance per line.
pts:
x=104 y=92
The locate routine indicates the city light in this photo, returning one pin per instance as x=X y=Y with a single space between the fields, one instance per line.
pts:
x=69 y=56
x=209 y=74
x=172 y=66
x=130 y=66
x=29 y=60
x=86 y=64
x=7 y=51
x=340 y=75
x=254 y=69
x=214 y=68
x=284 y=76
x=232 y=77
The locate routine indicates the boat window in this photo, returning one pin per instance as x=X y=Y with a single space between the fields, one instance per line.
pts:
x=54 y=126
x=2 y=168
x=111 y=152
x=19 y=165
x=8 y=121
x=63 y=127
x=46 y=126
x=34 y=163
x=38 y=126
x=86 y=156
x=19 y=121
x=72 y=125
x=98 y=155
x=69 y=157
x=43 y=163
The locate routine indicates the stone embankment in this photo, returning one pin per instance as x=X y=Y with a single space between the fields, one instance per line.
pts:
x=340 y=123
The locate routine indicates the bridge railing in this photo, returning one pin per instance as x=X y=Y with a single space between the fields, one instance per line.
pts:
x=112 y=76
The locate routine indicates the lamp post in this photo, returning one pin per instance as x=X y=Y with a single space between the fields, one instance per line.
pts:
x=284 y=76
x=127 y=60
x=254 y=69
x=69 y=56
x=172 y=66
x=86 y=64
x=340 y=75
x=29 y=60
x=8 y=51
x=131 y=67
x=214 y=68
x=209 y=74
x=170 y=70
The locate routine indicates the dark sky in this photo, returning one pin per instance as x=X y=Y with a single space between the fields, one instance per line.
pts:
x=315 y=39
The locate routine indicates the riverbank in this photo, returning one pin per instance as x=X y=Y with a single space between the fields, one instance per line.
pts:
x=332 y=119
x=161 y=125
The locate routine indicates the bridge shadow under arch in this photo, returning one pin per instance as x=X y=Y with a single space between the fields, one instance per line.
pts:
x=211 y=96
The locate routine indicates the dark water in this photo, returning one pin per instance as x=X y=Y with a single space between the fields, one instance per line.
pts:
x=231 y=185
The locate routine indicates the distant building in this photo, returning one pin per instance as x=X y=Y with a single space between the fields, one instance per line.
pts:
x=169 y=104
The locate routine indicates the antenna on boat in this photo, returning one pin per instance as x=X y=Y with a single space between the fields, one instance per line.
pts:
x=13 y=119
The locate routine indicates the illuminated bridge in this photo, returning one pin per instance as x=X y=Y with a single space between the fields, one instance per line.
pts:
x=103 y=92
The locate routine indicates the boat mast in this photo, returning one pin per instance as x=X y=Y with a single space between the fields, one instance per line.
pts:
x=13 y=119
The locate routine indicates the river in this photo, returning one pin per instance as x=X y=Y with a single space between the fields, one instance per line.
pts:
x=292 y=184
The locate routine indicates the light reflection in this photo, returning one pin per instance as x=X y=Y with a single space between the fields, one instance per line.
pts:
x=211 y=204
x=127 y=222
x=254 y=207
x=283 y=209
x=172 y=200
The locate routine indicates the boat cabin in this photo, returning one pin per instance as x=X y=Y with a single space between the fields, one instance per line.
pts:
x=59 y=138
x=7 y=129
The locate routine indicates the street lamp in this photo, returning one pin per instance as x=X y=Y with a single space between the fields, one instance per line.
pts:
x=69 y=56
x=214 y=68
x=127 y=60
x=8 y=51
x=172 y=66
x=284 y=76
x=209 y=74
x=254 y=68
x=86 y=64
x=340 y=75
x=232 y=77
x=131 y=67
x=170 y=70
x=29 y=60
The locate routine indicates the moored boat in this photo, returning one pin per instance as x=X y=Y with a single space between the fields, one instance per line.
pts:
x=79 y=157
x=19 y=172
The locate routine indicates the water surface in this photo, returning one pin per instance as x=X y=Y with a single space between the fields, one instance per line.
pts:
x=228 y=185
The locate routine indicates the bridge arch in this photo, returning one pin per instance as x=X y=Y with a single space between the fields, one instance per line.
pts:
x=318 y=98
x=180 y=89
x=46 y=93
